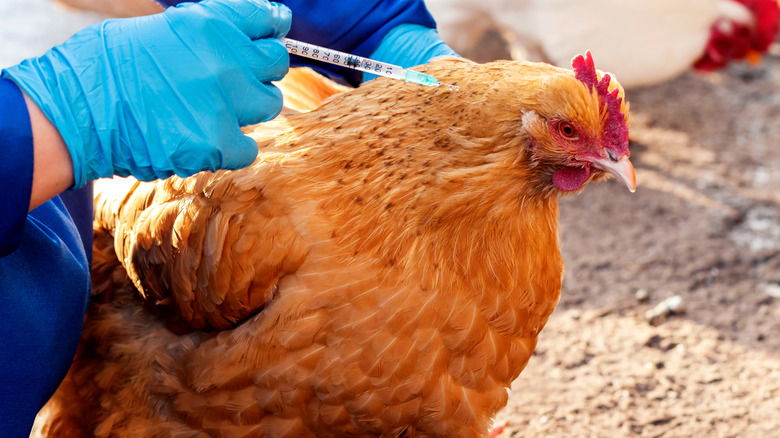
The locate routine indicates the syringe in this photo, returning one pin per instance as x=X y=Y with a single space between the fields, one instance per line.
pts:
x=359 y=63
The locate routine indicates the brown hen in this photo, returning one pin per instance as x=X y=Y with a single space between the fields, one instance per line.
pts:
x=383 y=268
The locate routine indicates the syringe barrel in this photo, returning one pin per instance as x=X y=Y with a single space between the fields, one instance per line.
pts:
x=340 y=58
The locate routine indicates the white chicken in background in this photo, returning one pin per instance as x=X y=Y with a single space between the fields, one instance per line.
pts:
x=642 y=42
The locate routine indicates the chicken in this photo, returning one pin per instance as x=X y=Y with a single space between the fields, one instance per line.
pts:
x=641 y=42
x=384 y=267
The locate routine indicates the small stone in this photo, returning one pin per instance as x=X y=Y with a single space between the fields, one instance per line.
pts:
x=671 y=305
x=642 y=295
x=772 y=290
x=675 y=304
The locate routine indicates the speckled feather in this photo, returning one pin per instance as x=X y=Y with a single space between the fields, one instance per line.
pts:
x=383 y=268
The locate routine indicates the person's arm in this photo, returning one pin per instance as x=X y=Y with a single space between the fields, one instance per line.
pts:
x=52 y=166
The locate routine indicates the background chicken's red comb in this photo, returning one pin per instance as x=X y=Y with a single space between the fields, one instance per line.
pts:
x=767 y=14
x=615 y=131
x=741 y=41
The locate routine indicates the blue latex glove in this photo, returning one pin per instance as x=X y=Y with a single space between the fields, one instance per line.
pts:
x=163 y=94
x=408 y=45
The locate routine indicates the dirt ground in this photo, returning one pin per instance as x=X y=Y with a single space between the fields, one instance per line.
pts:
x=704 y=225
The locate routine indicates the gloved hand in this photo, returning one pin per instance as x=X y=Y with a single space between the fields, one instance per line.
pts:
x=408 y=45
x=163 y=94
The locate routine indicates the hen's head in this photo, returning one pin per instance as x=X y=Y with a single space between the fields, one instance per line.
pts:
x=582 y=134
x=748 y=33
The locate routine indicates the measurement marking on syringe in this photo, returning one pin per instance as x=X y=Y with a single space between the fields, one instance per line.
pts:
x=359 y=63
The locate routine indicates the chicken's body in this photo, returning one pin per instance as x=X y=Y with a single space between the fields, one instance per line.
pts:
x=642 y=42
x=383 y=268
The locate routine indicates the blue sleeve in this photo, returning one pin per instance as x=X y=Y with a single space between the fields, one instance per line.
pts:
x=80 y=207
x=355 y=27
x=44 y=291
x=16 y=165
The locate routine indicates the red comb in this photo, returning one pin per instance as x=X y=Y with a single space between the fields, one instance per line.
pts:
x=615 y=131
x=584 y=69
x=767 y=15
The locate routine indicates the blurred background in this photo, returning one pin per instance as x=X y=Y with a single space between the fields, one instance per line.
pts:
x=30 y=27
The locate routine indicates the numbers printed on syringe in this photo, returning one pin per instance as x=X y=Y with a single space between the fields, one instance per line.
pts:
x=336 y=58
x=291 y=48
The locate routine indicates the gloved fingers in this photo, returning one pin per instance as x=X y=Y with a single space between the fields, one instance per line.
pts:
x=259 y=103
x=256 y=18
x=240 y=152
x=268 y=59
x=231 y=150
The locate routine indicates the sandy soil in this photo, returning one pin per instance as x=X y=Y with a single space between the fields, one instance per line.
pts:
x=703 y=225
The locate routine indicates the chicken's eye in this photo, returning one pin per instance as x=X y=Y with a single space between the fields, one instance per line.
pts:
x=567 y=131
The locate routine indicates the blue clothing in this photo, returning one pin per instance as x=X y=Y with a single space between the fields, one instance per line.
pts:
x=16 y=136
x=44 y=279
x=365 y=23
x=80 y=207
x=44 y=294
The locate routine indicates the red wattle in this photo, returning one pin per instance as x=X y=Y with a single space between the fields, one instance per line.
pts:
x=570 y=179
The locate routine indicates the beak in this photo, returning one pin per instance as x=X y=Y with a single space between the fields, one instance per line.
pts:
x=622 y=169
